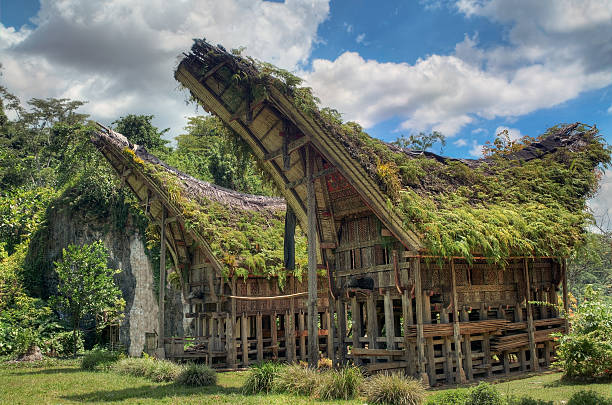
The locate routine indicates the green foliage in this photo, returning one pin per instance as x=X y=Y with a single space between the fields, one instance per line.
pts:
x=86 y=285
x=63 y=344
x=148 y=367
x=343 y=383
x=527 y=401
x=100 y=359
x=421 y=142
x=393 y=389
x=451 y=397
x=591 y=264
x=197 y=375
x=588 y=397
x=297 y=379
x=260 y=378
x=138 y=129
x=484 y=394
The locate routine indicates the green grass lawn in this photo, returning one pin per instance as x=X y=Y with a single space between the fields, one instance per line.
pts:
x=61 y=381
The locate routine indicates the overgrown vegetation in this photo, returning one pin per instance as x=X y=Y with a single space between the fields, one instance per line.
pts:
x=100 y=359
x=393 y=388
x=148 y=367
x=497 y=207
x=197 y=375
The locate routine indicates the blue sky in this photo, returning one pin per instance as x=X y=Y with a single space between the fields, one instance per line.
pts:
x=468 y=68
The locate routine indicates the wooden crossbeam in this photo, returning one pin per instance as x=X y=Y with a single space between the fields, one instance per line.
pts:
x=315 y=176
x=298 y=143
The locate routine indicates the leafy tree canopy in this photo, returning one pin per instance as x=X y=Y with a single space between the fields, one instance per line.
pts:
x=139 y=130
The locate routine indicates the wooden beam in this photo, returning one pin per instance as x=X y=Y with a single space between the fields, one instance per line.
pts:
x=162 y=286
x=356 y=326
x=431 y=364
x=315 y=176
x=274 y=334
x=530 y=326
x=291 y=146
x=418 y=293
x=302 y=329
x=313 y=329
x=244 y=331
x=259 y=333
x=408 y=320
x=341 y=314
x=372 y=325
x=460 y=373
x=565 y=297
x=389 y=324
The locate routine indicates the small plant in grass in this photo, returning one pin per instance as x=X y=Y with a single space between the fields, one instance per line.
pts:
x=297 y=379
x=393 y=388
x=100 y=359
x=454 y=397
x=261 y=378
x=148 y=367
x=484 y=394
x=197 y=375
x=527 y=401
x=325 y=364
x=343 y=383
x=588 y=397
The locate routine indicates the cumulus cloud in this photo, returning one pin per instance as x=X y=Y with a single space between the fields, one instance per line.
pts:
x=555 y=50
x=120 y=55
x=476 y=149
x=601 y=204
x=460 y=142
x=513 y=133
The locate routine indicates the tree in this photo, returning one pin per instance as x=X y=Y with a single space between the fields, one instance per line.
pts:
x=592 y=264
x=422 y=141
x=86 y=285
x=139 y=130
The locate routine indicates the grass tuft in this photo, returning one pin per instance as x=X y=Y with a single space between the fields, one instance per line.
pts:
x=297 y=380
x=261 y=377
x=393 y=388
x=343 y=383
x=148 y=367
x=99 y=359
x=197 y=375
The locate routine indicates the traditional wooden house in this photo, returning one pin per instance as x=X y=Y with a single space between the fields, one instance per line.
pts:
x=244 y=305
x=448 y=269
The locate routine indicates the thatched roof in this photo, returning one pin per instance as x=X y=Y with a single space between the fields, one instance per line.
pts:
x=526 y=200
x=241 y=233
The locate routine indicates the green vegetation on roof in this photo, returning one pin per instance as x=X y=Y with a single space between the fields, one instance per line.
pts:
x=497 y=207
x=243 y=241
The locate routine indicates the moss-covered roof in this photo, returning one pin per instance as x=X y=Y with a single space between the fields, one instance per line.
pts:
x=244 y=231
x=529 y=199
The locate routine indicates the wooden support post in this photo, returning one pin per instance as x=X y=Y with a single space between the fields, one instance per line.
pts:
x=289 y=337
x=341 y=314
x=372 y=326
x=431 y=365
x=259 y=332
x=313 y=329
x=506 y=363
x=486 y=343
x=292 y=330
x=565 y=297
x=161 y=352
x=418 y=293
x=408 y=320
x=330 y=336
x=302 y=328
x=274 y=335
x=244 y=332
x=389 y=321
x=530 y=326
x=547 y=351
x=467 y=349
x=357 y=327
x=460 y=373
x=230 y=341
x=518 y=315
x=447 y=350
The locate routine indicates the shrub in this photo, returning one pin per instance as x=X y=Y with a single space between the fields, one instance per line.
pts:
x=24 y=340
x=148 y=367
x=484 y=394
x=99 y=359
x=393 y=389
x=261 y=378
x=527 y=401
x=588 y=397
x=339 y=384
x=454 y=397
x=297 y=379
x=197 y=375
x=62 y=343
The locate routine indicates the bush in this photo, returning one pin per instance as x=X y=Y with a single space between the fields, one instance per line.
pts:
x=148 y=367
x=197 y=375
x=484 y=394
x=589 y=397
x=393 y=389
x=99 y=359
x=339 y=384
x=297 y=379
x=261 y=378
x=527 y=401
x=62 y=343
x=454 y=397
x=24 y=340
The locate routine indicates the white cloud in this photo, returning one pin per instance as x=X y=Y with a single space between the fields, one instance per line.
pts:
x=348 y=27
x=460 y=142
x=476 y=149
x=479 y=131
x=360 y=38
x=120 y=55
x=513 y=133
x=601 y=204
x=548 y=59
x=610 y=109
